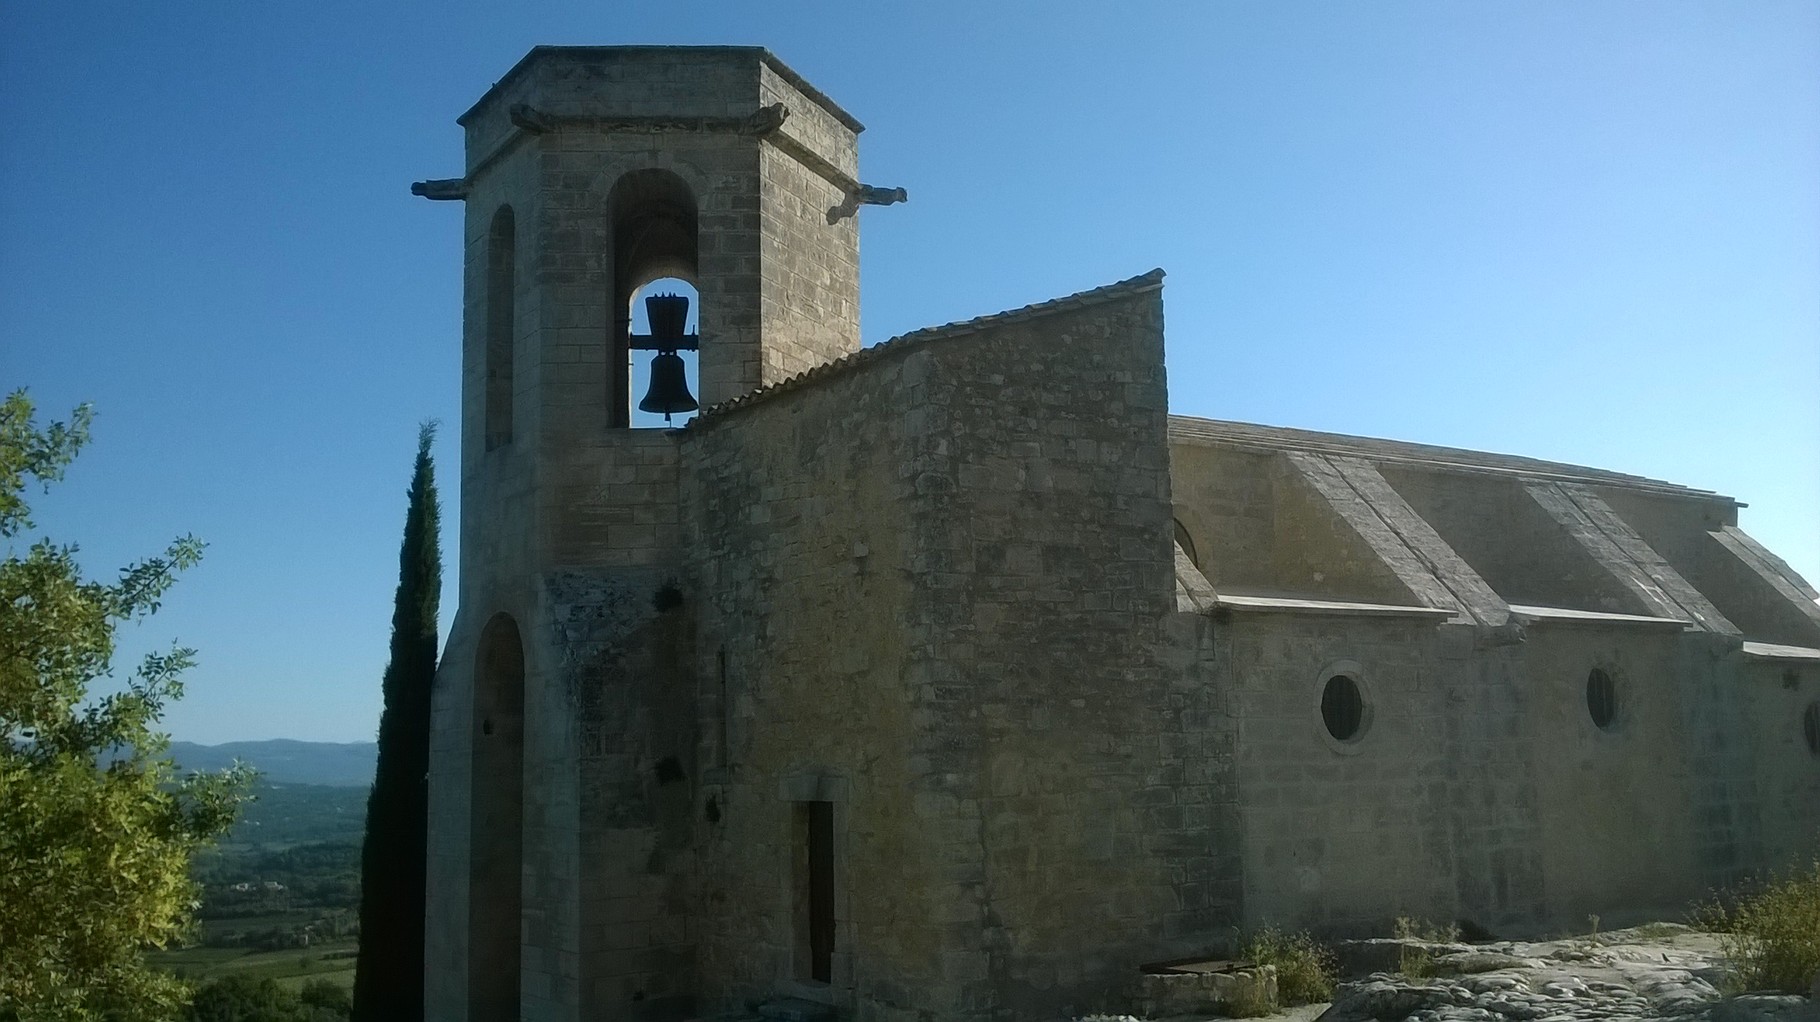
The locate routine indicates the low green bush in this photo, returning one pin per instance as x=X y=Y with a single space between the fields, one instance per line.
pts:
x=1305 y=968
x=248 y=999
x=1771 y=939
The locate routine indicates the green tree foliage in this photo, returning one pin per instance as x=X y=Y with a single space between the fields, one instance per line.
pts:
x=246 y=999
x=388 y=977
x=96 y=832
x=242 y=999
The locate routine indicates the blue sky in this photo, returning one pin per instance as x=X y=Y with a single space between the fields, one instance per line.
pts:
x=1587 y=232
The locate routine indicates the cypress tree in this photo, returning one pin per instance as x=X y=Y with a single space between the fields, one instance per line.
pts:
x=388 y=976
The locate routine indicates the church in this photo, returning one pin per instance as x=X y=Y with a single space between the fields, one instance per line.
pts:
x=953 y=677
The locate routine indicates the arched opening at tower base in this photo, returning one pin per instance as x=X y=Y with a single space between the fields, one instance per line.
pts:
x=496 y=824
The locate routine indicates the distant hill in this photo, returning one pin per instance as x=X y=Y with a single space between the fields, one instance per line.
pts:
x=283 y=761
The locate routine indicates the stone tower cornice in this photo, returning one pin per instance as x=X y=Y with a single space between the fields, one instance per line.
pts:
x=605 y=54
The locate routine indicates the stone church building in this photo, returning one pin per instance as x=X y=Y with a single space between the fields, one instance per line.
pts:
x=954 y=678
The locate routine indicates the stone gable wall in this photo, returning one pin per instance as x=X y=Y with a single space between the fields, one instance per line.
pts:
x=1077 y=757
x=800 y=533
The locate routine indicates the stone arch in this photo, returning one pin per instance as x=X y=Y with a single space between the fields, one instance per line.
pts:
x=654 y=218
x=502 y=258
x=496 y=823
x=1185 y=540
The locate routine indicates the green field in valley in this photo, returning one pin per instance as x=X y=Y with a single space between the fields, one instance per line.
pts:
x=281 y=893
x=291 y=967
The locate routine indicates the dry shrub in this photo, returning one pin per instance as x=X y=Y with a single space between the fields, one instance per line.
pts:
x=1305 y=968
x=1772 y=938
x=1419 y=962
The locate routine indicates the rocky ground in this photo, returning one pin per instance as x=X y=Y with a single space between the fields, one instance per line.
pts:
x=1651 y=972
x=1661 y=971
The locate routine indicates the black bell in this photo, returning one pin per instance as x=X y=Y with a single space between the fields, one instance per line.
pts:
x=669 y=390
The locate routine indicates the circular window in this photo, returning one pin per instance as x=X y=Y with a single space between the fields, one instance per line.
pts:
x=1342 y=707
x=1810 y=726
x=1601 y=698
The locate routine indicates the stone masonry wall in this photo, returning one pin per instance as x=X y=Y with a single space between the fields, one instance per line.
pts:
x=1075 y=762
x=810 y=266
x=801 y=543
x=937 y=592
x=1341 y=835
x=1314 y=549
x=1601 y=795
x=1224 y=499
x=1775 y=696
x=1490 y=798
x=620 y=665
x=1482 y=789
x=497 y=537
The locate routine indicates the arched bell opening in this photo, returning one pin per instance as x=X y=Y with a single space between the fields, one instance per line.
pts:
x=665 y=387
x=655 y=238
x=496 y=824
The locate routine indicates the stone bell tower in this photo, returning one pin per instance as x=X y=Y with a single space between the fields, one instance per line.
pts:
x=565 y=693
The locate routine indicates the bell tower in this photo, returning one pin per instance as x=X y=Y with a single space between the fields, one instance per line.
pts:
x=563 y=693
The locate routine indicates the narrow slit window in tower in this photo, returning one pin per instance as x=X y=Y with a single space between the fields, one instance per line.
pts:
x=502 y=243
x=722 y=751
x=814 y=855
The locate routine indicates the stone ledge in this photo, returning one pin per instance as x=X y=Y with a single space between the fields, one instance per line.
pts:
x=1776 y=651
x=1186 y=992
x=1530 y=615
x=1297 y=605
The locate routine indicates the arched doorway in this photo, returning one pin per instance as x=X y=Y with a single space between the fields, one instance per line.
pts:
x=496 y=824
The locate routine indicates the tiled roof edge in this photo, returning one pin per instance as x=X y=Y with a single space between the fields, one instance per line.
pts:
x=1139 y=284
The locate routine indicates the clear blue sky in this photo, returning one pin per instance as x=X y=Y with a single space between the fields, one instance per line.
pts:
x=1581 y=231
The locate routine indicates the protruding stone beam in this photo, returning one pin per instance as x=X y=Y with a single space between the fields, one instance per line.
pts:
x=865 y=195
x=444 y=189
x=528 y=118
x=1616 y=547
x=765 y=120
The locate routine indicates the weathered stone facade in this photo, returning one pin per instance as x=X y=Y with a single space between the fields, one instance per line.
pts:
x=954 y=678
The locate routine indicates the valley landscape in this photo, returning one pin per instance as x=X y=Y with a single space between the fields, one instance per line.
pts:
x=281 y=893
